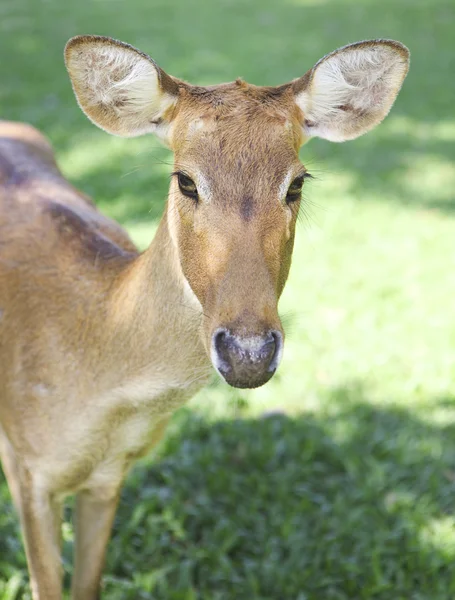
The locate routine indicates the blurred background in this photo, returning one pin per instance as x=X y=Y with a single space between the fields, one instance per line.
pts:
x=346 y=489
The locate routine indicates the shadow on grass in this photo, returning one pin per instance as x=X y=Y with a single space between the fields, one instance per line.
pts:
x=355 y=505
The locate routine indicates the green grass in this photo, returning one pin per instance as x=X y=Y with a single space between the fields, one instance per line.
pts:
x=351 y=494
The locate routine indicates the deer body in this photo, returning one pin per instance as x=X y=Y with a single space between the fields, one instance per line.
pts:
x=99 y=344
x=93 y=304
x=77 y=285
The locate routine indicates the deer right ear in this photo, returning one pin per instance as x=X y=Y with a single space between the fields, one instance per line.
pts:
x=350 y=91
x=119 y=88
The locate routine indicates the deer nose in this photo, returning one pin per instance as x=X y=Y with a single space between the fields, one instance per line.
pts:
x=246 y=362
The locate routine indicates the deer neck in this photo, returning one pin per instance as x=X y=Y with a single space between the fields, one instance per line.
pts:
x=155 y=317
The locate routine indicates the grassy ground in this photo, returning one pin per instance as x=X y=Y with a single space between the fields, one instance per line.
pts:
x=351 y=495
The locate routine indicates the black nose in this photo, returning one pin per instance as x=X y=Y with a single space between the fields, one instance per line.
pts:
x=246 y=362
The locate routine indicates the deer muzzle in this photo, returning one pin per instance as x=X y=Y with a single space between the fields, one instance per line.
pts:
x=246 y=362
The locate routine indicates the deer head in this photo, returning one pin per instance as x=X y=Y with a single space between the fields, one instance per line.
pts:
x=237 y=181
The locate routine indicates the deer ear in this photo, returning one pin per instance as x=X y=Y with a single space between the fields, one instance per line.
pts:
x=118 y=87
x=350 y=91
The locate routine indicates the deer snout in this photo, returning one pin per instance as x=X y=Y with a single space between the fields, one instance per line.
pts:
x=246 y=361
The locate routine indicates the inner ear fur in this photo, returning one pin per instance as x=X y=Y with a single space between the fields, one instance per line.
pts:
x=119 y=88
x=351 y=90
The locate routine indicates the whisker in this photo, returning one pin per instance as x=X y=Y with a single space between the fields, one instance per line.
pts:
x=201 y=377
x=196 y=310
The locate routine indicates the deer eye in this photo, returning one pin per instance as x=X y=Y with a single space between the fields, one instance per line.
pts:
x=187 y=186
x=295 y=189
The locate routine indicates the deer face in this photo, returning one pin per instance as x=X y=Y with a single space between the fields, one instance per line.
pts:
x=237 y=181
x=233 y=218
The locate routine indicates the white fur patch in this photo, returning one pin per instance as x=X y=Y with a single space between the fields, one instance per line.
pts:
x=190 y=296
x=195 y=126
x=284 y=186
x=352 y=90
x=203 y=187
x=214 y=356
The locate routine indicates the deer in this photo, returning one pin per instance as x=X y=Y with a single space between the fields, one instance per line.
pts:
x=101 y=343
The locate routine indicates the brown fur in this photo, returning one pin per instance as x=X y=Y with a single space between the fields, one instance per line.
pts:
x=99 y=344
x=94 y=319
x=236 y=264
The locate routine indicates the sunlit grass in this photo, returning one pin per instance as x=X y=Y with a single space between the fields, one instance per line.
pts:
x=442 y=131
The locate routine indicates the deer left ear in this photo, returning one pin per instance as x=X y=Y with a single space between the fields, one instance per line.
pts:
x=351 y=90
x=119 y=88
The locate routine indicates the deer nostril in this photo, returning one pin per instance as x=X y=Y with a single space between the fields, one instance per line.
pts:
x=219 y=337
x=278 y=345
x=221 y=340
x=266 y=353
